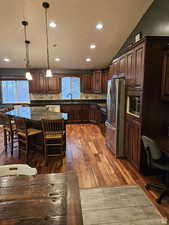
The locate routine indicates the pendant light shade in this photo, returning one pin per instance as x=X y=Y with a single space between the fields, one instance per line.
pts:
x=48 y=71
x=28 y=75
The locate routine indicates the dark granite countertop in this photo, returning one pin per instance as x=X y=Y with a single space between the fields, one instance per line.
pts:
x=59 y=97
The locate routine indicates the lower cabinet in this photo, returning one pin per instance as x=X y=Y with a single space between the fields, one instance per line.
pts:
x=133 y=141
x=74 y=112
x=82 y=113
x=94 y=114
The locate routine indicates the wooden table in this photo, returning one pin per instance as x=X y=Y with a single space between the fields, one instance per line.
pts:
x=42 y=200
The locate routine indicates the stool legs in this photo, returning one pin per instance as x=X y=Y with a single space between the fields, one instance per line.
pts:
x=12 y=140
x=8 y=139
x=5 y=140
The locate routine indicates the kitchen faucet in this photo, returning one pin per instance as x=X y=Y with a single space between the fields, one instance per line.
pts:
x=70 y=95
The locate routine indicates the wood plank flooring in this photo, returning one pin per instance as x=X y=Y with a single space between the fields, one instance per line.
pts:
x=94 y=164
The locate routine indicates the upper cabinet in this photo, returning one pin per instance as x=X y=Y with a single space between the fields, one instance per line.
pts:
x=97 y=82
x=53 y=85
x=111 y=71
x=165 y=78
x=94 y=83
x=139 y=65
x=131 y=64
x=86 y=83
x=105 y=77
x=122 y=65
x=43 y=85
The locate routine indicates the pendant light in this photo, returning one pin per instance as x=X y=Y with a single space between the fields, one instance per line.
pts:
x=48 y=71
x=28 y=74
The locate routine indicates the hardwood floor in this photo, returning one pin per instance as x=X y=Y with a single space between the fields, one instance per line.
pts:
x=94 y=164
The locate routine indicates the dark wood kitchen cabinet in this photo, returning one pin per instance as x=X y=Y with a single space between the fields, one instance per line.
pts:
x=94 y=114
x=147 y=76
x=130 y=75
x=139 y=65
x=85 y=113
x=133 y=141
x=97 y=82
x=53 y=85
x=131 y=64
x=35 y=84
x=104 y=81
x=76 y=112
x=82 y=113
x=116 y=66
x=86 y=83
x=111 y=71
x=43 y=85
x=122 y=65
x=165 y=76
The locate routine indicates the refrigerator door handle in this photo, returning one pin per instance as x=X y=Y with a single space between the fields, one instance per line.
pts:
x=109 y=125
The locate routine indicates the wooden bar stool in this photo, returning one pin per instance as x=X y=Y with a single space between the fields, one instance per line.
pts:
x=24 y=136
x=9 y=131
x=54 y=134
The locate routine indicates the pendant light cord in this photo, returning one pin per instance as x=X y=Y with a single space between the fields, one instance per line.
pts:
x=47 y=39
x=25 y=23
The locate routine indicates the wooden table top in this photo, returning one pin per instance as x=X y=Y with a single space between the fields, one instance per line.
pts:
x=36 y=113
x=42 y=200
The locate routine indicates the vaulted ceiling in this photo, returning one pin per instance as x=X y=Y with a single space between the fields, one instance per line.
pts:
x=75 y=30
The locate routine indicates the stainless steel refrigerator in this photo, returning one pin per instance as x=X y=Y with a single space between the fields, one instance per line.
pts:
x=115 y=115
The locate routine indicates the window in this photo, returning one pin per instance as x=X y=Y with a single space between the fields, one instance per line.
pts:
x=15 y=91
x=71 y=86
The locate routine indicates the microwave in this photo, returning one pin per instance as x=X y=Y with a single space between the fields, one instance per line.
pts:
x=133 y=105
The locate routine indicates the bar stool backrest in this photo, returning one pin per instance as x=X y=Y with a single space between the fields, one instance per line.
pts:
x=21 y=125
x=57 y=126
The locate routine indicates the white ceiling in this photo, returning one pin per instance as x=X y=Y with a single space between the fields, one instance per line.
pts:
x=76 y=21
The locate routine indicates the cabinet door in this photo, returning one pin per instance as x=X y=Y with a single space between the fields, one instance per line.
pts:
x=85 y=113
x=133 y=142
x=139 y=65
x=122 y=65
x=70 y=116
x=111 y=71
x=34 y=84
x=104 y=81
x=97 y=82
x=86 y=83
x=165 y=78
x=116 y=66
x=130 y=75
x=42 y=83
x=53 y=85
x=94 y=114
x=77 y=116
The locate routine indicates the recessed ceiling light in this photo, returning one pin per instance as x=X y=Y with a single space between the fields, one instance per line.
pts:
x=88 y=59
x=92 y=46
x=6 y=59
x=57 y=59
x=99 y=26
x=52 y=24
